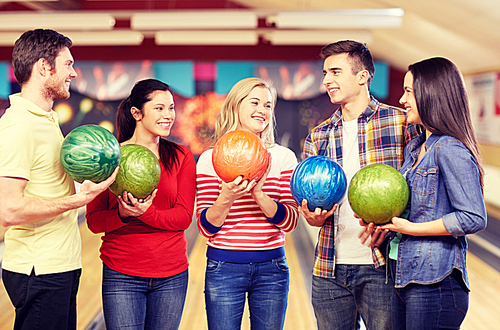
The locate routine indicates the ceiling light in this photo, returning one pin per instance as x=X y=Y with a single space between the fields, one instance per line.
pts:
x=190 y=20
x=339 y=19
x=206 y=38
x=95 y=38
x=9 y=38
x=57 y=21
x=316 y=37
x=105 y=38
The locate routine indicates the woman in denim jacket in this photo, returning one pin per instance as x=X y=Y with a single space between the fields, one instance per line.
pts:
x=442 y=166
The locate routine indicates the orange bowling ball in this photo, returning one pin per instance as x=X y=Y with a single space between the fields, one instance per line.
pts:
x=240 y=153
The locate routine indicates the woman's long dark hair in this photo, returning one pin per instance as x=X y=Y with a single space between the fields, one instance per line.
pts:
x=125 y=123
x=443 y=104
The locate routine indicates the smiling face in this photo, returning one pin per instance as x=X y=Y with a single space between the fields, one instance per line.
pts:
x=158 y=114
x=408 y=100
x=255 y=111
x=341 y=84
x=56 y=87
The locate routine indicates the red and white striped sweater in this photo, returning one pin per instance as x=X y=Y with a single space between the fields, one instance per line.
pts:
x=246 y=228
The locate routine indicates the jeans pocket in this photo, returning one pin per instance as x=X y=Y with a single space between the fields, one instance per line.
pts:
x=460 y=297
x=281 y=264
x=213 y=265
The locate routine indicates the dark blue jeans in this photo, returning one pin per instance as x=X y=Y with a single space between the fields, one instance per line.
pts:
x=227 y=284
x=45 y=302
x=132 y=302
x=357 y=291
x=441 y=305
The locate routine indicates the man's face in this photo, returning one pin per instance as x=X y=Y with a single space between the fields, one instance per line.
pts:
x=341 y=84
x=57 y=85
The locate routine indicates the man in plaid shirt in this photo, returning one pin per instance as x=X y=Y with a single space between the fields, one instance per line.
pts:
x=348 y=282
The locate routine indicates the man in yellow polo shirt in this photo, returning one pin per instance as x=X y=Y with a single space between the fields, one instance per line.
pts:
x=42 y=259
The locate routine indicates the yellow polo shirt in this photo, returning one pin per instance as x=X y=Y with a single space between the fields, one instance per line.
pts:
x=30 y=141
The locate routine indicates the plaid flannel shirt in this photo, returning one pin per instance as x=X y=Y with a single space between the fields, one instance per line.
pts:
x=383 y=134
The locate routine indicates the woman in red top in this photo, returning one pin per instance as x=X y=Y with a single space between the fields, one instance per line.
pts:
x=144 y=253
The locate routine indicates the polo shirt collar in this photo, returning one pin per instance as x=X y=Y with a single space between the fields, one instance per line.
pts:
x=17 y=99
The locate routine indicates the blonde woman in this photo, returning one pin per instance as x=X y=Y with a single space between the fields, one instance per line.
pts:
x=245 y=222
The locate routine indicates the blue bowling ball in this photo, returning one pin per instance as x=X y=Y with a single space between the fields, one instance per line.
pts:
x=320 y=181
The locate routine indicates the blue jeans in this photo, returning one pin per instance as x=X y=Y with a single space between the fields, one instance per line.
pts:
x=45 y=302
x=132 y=302
x=227 y=285
x=357 y=291
x=441 y=305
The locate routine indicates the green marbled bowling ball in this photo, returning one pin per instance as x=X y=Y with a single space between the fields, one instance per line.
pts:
x=139 y=172
x=377 y=193
x=89 y=152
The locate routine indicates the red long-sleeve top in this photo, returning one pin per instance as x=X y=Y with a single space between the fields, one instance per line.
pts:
x=154 y=244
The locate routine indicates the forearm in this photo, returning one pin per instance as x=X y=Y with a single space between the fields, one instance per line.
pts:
x=102 y=214
x=104 y=221
x=431 y=228
x=26 y=209
x=177 y=218
x=266 y=204
x=218 y=212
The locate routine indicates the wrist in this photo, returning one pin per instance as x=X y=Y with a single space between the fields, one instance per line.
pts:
x=80 y=199
x=258 y=195
x=225 y=201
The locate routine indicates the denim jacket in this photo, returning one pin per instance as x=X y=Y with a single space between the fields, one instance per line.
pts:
x=445 y=184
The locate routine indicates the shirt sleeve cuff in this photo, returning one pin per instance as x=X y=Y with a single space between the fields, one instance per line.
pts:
x=207 y=225
x=148 y=215
x=280 y=214
x=452 y=225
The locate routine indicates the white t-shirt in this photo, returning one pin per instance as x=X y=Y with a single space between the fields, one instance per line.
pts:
x=348 y=247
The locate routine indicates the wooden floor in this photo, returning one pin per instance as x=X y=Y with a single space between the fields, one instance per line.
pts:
x=484 y=311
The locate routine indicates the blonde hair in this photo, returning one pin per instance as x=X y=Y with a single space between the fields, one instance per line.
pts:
x=228 y=118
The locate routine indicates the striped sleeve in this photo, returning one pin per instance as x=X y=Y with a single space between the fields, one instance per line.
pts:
x=208 y=187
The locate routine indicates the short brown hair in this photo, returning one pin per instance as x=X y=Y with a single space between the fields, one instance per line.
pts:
x=360 y=56
x=33 y=45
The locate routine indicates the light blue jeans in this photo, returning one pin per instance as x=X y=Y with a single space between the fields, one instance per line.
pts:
x=227 y=285
x=131 y=302
x=357 y=291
